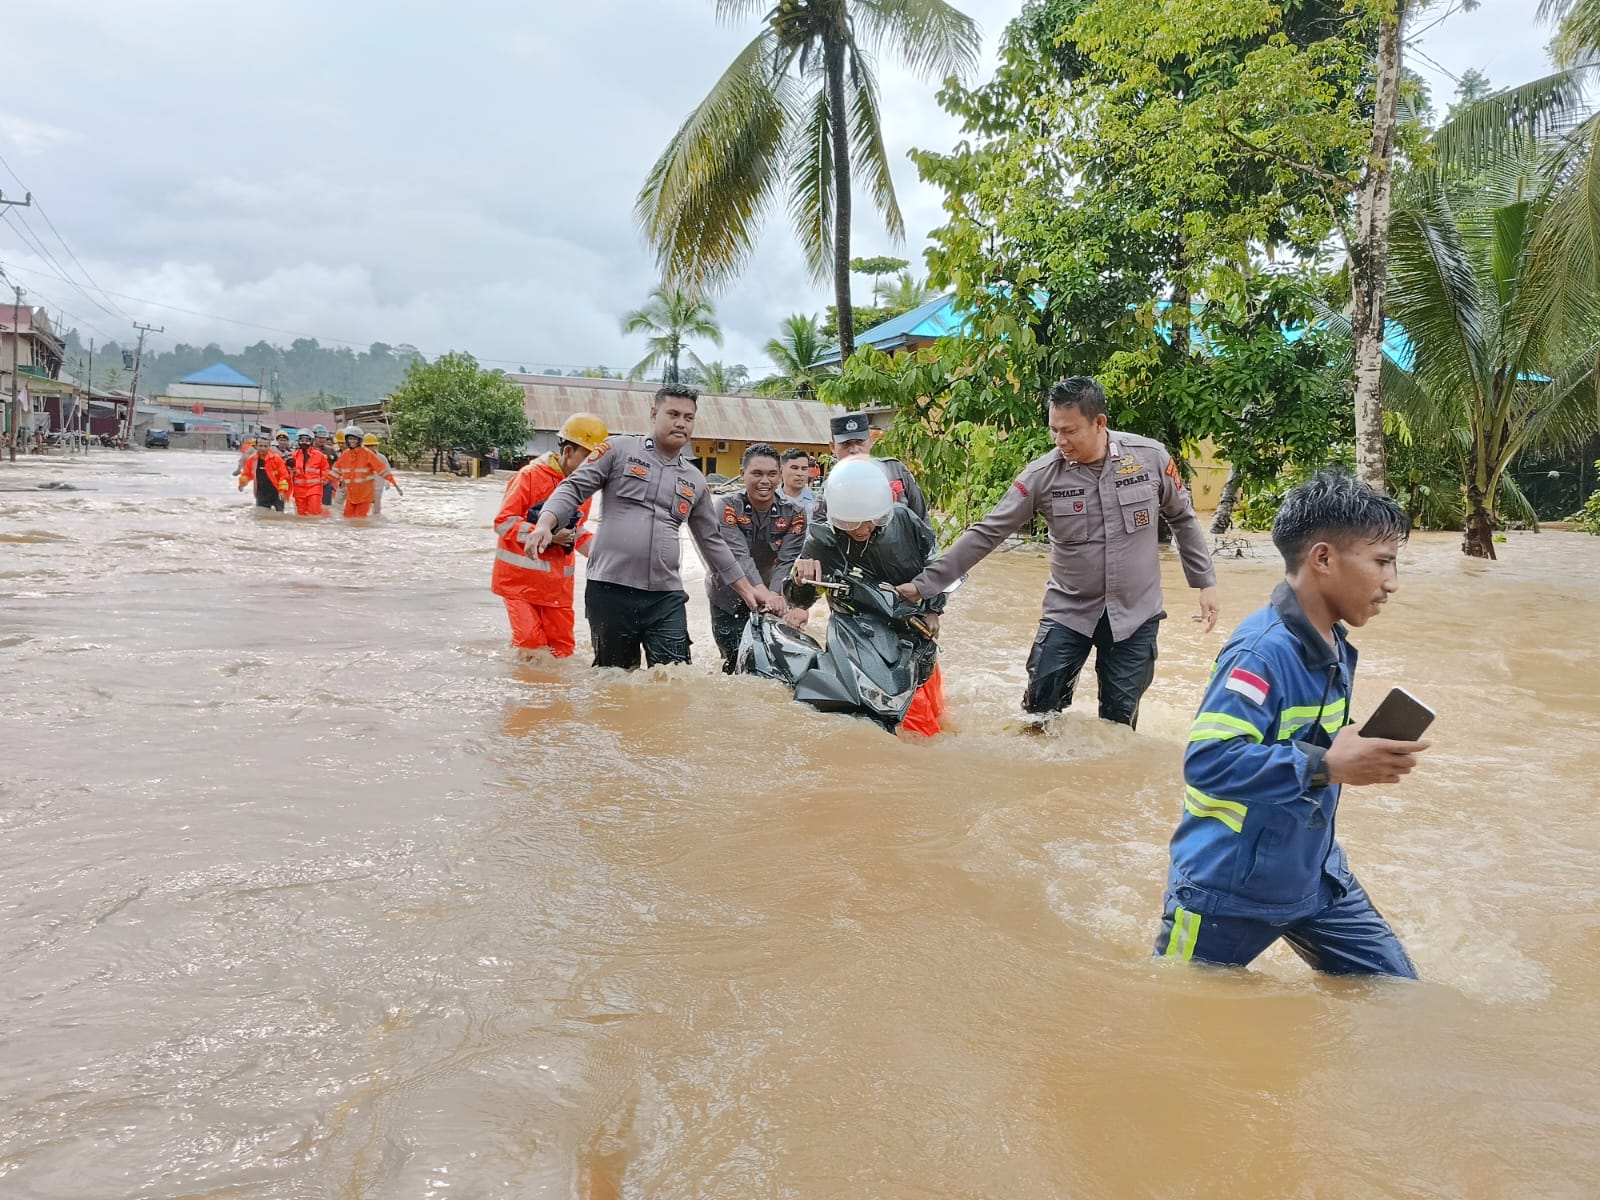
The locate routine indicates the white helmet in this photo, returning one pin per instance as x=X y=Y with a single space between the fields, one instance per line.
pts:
x=352 y=431
x=857 y=490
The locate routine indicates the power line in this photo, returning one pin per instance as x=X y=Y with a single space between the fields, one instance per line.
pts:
x=32 y=241
x=37 y=204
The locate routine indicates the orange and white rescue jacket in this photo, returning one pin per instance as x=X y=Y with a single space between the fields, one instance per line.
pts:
x=309 y=468
x=277 y=471
x=547 y=579
x=358 y=471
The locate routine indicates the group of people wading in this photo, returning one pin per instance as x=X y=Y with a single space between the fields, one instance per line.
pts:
x=314 y=471
x=1254 y=858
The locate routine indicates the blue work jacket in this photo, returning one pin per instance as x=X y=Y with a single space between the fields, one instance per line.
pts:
x=1256 y=838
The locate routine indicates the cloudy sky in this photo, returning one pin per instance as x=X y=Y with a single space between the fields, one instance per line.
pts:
x=454 y=175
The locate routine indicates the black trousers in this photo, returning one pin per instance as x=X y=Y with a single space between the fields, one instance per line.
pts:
x=1125 y=669
x=728 y=629
x=269 y=499
x=624 y=619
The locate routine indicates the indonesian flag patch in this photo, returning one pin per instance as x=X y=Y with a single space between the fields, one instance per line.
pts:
x=1251 y=687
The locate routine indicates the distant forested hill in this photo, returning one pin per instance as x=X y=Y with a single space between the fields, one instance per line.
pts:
x=304 y=374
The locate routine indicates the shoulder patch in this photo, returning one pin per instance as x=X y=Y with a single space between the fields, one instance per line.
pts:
x=728 y=515
x=1021 y=487
x=1249 y=685
x=1173 y=473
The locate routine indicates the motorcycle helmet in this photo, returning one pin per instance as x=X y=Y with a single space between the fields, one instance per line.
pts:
x=857 y=490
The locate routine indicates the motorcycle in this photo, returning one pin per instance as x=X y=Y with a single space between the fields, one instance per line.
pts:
x=879 y=652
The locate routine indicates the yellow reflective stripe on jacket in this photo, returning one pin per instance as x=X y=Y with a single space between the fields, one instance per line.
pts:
x=1185 y=933
x=1292 y=720
x=1216 y=726
x=1230 y=812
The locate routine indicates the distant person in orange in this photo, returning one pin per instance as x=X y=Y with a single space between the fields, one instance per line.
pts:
x=266 y=467
x=308 y=472
x=361 y=472
x=537 y=591
x=371 y=443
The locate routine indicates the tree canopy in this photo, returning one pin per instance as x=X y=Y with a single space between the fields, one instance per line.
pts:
x=454 y=403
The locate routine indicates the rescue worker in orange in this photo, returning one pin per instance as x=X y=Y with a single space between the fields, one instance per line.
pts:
x=308 y=472
x=265 y=466
x=361 y=472
x=537 y=590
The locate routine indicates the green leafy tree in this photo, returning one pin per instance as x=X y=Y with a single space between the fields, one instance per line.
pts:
x=795 y=352
x=452 y=402
x=796 y=114
x=670 y=317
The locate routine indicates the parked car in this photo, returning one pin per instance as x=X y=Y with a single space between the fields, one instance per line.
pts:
x=157 y=439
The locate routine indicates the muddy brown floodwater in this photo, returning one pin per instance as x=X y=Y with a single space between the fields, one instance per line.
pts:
x=310 y=889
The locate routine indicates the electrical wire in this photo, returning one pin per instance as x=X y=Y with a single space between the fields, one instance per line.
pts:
x=39 y=206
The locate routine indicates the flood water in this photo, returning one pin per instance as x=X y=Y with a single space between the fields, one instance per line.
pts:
x=311 y=889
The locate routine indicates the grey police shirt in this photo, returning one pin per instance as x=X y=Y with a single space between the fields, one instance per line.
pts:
x=765 y=543
x=648 y=497
x=1104 y=553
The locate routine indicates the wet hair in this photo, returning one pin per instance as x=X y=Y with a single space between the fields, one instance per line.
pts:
x=1079 y=392
x=759 y=450
x=792 y=453
x=677 y=391
x=1334 y=506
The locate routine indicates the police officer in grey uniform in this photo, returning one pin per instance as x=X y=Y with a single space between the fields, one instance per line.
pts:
x=634 y=595
x=764 y=529
x=1102 y=494
x=852 y=438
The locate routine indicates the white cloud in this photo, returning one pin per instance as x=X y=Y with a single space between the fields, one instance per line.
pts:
x=30 y=136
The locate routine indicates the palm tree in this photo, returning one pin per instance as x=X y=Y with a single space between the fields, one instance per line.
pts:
x=670 y=316
x=907 y=292
x=795 y=352
x=1506 y=330
x=719 y=378
x=793 y=114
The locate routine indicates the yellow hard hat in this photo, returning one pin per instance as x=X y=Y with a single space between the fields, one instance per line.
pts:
x=370 y=440
x=583 y=429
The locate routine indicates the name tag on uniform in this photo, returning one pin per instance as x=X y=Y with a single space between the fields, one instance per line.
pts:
x=686 y=489
x=1142 y=477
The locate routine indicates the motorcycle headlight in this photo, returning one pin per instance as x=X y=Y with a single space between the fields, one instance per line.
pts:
x=876 y=697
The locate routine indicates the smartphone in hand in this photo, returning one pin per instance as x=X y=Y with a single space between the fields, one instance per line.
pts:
x=1400 y=718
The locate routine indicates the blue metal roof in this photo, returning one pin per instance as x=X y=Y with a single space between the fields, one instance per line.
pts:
x=936 y=319
x=220 y=375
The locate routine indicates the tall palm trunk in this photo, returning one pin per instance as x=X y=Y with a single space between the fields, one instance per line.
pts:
x=1369 y=257
x=1477 y=539
x=672 y=362
x=840 y=133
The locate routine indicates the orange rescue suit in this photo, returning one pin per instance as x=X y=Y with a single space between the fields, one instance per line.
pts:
x=276 y=470
x=359 y=471
x=548 y=579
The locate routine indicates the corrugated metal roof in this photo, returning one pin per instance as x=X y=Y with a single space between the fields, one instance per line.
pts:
x=937 y=318
x=625 y=408
x=220 y=375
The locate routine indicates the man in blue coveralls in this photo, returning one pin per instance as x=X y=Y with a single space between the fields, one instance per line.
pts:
x=1254 y=858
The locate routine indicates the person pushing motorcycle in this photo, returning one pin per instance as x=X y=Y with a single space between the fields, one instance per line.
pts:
x=866 y=531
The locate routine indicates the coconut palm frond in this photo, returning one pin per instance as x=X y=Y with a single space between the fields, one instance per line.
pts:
x=872 y=160
x=810 y=175
x=1542 y=109
x=705 y=199
x=1434 y=295
x=930 y=37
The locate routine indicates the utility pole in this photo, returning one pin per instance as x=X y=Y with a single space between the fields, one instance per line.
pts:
x=86 y=415
x=16 y=365
x=138 y=361
x=16 y=335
